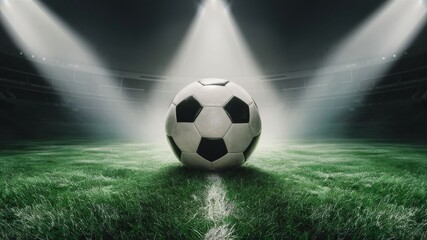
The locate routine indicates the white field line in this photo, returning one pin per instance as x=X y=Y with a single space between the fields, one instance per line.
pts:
x=217 y=209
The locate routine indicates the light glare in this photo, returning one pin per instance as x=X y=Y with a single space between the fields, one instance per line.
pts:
x=215 y=48
x=387 y=33
x=38 y=31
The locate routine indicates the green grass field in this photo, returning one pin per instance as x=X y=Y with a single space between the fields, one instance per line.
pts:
x=299 y=190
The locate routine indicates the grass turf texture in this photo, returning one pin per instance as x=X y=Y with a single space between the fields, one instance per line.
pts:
x=300 y=190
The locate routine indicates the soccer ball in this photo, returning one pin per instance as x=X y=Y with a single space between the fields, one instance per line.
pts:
x=213 y=124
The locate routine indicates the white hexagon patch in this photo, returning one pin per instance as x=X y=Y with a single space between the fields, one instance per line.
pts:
x=193 y=160
x=213 y=122
x=255 y=119
x=213 y=96
x=213 y=81
x=171 y=120
x=238 y=137
x=228 y=161
x=239 y=92
x=186 y=137
x=186 y=92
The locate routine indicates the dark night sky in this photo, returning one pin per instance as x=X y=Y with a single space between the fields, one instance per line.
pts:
x=143 y=35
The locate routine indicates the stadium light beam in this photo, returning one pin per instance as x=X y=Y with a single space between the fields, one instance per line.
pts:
x=214 y=48
x=388 y=32
x=37 y=31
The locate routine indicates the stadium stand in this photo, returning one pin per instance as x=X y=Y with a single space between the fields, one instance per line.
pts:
x=397 y=100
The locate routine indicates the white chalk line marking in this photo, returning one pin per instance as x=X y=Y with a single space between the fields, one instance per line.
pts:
x=217 y=209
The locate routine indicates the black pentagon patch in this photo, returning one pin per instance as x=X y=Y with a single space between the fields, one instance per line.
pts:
x=212 y=149
x=175 y=148
x=213 y=81
x=188 y=110
x=237 y=110
x=250 y=149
